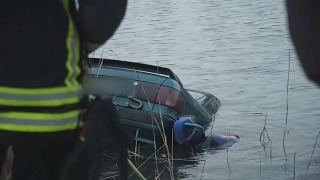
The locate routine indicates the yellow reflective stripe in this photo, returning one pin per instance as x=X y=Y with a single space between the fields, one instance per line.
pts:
x=40 y=116
x=46 y=98
x=39 y=122
x=48 y=103
x=24 y=128
x=39 y=91
x=39 y=97
x=73 y=46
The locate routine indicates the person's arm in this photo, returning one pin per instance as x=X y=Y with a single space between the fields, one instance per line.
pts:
x=304 y=28
x=98 y=20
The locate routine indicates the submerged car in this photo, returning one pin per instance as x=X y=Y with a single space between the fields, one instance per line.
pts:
x=149 y=99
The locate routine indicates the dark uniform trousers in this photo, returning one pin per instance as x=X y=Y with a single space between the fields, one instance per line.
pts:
x=37 y=156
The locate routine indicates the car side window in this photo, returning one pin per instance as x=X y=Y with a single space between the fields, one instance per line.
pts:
x=196 y=95
x=206 y=101
x=202 y=100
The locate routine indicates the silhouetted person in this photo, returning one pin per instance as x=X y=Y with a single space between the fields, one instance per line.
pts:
x=304 y=27
x=42 y=44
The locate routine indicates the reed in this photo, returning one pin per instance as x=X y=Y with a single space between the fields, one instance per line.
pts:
x=159 y=126
x=152 y=116
x=204 y=164
x=148 y=158
x=271 y=148
x=294 y=166
x=260 y=166
x=135 y=170
x=115 y=54
x=153 y=130
x=100 y=64
x=305 y=177
x=287 y=101
x=167 y=151
x=172 y=148
x=136 y=146
x=156 y=123
x=163 y=136
x=228 y=151
x=263 y=132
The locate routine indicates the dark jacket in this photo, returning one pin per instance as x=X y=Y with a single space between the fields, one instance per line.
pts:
x=102 y=130
x=42 y=44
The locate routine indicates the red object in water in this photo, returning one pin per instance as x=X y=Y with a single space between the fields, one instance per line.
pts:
x=227 y=137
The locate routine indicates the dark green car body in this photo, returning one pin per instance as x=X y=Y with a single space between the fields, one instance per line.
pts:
x=149 y=98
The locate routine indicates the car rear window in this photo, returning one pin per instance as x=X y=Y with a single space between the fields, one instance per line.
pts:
x=196 y=95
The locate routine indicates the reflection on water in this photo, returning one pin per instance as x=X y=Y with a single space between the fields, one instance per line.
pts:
x=238 y=51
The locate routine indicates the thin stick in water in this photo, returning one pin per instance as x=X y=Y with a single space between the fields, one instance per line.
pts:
x=264 y=130
x=294 y=166
x=271 y=148
x=136 y=145
x=172 y=149
x=228 y=150
x=260 y=165
x=208 y=147
x=287 y=101
x=100 y=64
x=312 y=155
x=115 y=54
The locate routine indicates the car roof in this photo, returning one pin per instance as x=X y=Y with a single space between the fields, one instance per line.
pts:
x=155 y=70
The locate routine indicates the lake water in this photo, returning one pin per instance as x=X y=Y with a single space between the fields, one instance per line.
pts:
x=238 y=51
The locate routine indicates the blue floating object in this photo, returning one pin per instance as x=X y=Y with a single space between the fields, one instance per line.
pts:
x=187 y=132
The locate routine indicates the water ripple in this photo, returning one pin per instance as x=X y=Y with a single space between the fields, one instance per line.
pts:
x=237 y=50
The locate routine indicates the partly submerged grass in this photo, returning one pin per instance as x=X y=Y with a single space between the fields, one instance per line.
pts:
x=167 y=155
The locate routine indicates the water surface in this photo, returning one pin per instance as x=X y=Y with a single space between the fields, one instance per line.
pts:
x=238 y=51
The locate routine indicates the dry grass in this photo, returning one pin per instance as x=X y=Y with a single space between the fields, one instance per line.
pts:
x=6 y=171
x=168 y=154
x=159 y=124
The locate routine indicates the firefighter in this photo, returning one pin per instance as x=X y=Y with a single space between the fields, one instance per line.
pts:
x=41 y=47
